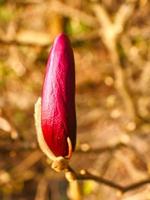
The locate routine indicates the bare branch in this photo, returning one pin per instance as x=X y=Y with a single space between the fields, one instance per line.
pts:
x=110 y=33
x=124 y=13
x=22 y=43
x=84 y=175
x=42 y=189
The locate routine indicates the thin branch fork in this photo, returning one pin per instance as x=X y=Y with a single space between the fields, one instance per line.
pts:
x=84 y=175
x=110 y=34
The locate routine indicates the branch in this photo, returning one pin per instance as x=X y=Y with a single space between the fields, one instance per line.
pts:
x=110 y=33
x=84 y=175
x=22 y=43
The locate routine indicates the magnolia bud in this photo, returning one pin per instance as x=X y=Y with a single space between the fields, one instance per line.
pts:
x=58 y=116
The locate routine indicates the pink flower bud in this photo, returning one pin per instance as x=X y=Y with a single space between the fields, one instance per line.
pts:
x=58 y=116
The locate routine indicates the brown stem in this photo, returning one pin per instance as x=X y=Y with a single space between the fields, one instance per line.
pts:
x=109 y=183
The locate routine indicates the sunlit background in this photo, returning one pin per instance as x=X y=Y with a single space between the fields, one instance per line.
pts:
x=111 y=42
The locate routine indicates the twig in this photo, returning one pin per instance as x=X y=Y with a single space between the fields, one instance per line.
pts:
x=22 y=43
x=88 y=176
x=110 y=33
x=74 y=190
x=42 y=189
x=33 y=158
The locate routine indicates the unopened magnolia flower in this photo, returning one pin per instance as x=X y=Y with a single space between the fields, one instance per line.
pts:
x=56 y=121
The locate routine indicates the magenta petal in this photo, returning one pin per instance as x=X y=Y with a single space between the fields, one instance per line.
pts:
x=58 y=117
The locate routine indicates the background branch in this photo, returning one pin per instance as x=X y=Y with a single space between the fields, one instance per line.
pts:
x=110 y=34
x=84 y=175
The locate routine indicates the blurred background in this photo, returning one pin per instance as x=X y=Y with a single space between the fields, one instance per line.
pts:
x=111 y=42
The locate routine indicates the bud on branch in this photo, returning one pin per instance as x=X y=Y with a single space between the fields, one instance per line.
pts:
x=56 y=121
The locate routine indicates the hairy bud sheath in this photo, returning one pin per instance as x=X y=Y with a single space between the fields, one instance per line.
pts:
x=58 y=116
